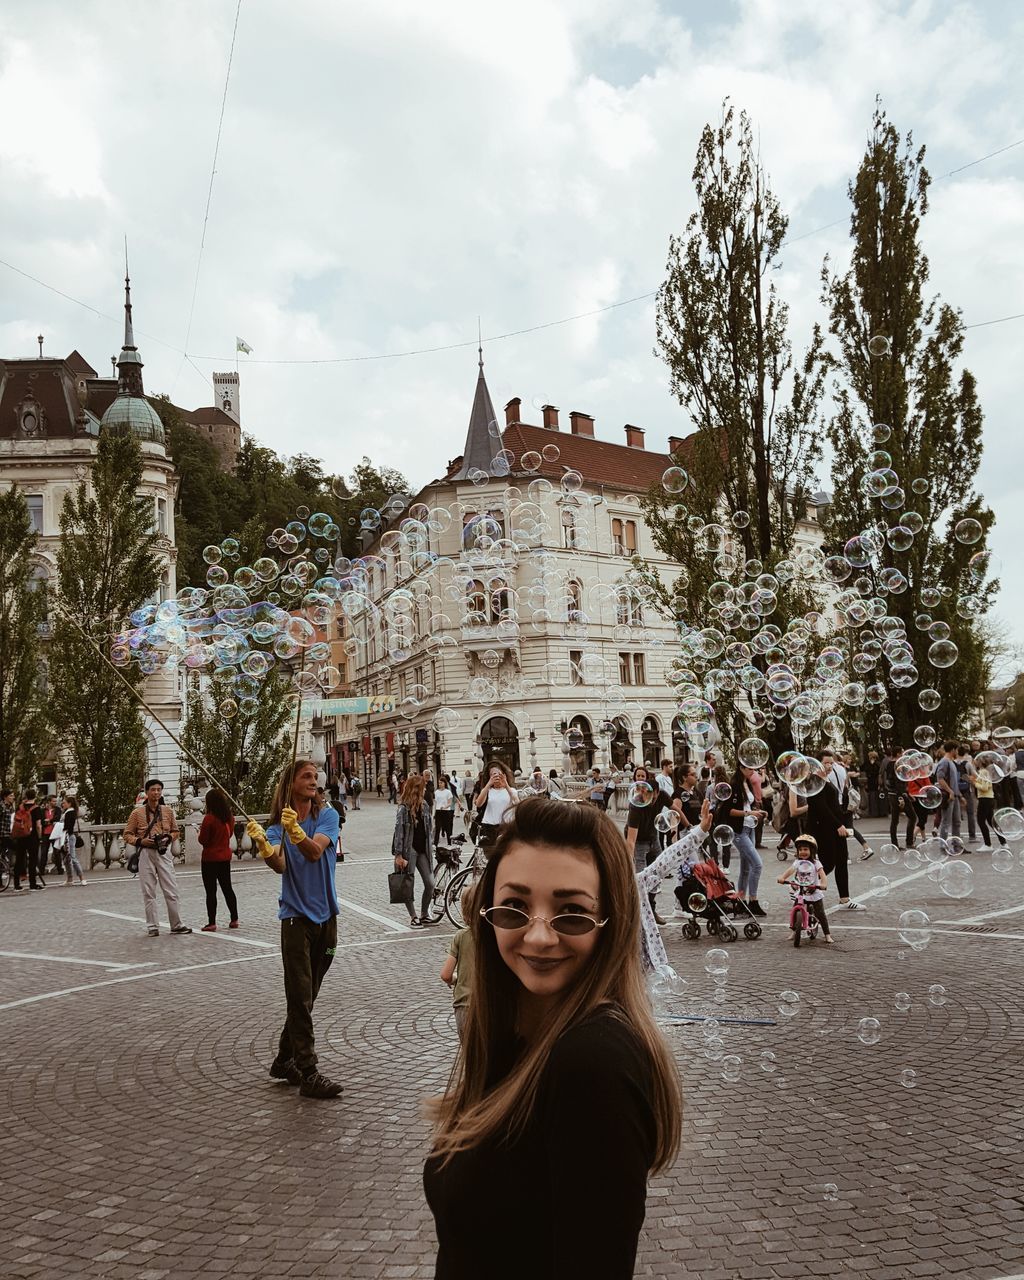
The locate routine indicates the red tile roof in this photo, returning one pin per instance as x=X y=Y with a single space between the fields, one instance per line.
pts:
x=208 y=414
x=598 y=461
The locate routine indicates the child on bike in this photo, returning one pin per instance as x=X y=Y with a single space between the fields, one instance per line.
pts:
x=807 y=871
x=457 y=970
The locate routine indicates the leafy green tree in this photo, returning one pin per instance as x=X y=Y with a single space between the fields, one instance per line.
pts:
x=731 y=510
x=245 y=753
x=22 y=610
x=105 y=569
x=907 y=440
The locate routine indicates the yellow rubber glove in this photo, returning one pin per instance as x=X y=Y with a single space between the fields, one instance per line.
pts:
x=259 y=838
x=290 y=823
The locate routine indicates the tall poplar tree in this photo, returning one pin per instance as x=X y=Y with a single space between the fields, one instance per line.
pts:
x=722 y=330
x=22 y=609
x=906 y=438
x=105 y=569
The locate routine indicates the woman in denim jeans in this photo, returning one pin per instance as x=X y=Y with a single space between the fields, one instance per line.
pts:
x=743 y=817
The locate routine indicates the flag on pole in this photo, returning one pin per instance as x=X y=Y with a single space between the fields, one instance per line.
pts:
x=242 y=345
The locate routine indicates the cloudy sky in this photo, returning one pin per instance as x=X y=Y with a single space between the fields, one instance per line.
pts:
x=389 y=173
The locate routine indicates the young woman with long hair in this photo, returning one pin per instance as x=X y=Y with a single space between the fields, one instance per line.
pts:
x=492 y=801
x=215 y=837
x=411 y=845
x=564 y=1097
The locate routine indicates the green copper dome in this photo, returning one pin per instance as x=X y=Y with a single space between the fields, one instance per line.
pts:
x=136 y=415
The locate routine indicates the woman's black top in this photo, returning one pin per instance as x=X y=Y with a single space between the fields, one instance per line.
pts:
x=419 y=834
x=568 y=1197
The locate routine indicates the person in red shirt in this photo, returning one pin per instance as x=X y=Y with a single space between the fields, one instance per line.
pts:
x=215 y=837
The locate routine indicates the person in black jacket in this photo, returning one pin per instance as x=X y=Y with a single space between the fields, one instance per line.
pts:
x=825 y=817
x=564 y=1097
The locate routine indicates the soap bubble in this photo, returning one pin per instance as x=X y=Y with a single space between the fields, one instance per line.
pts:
x=915 y=928
x=731 y=1065
x=929 y=797
x=721 y=792
x=925 y=735
x=908 y=1078
x=212 y=555
x=789 y=1004
x=880 y=886
x=551 y=453
x=716 y=961
x=641 y=794
x=530 y=461
x=831 y=1191
x=228 y=708
x=902 y=1001
x=890 y=854
x=753 y=753
x=943 y=653
x=956 y=880
x=937 y=995
x=967 y=531
x=722 y=834
x=928 y=700
x=1009 y=823
x=879 y=345
x=869 y=1031
x=767 y=1061
x=674 y=480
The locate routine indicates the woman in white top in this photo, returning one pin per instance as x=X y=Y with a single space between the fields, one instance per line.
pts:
x=496 y=797
x=444 y=811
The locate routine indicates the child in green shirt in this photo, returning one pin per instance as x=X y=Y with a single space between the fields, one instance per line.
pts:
x=457 y=970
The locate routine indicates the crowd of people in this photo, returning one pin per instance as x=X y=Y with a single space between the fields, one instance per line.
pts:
x=41 y=836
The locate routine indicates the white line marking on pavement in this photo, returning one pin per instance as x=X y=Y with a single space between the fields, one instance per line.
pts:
x=893 y=928
x=989 y=915
x=893 y=884
x=135 y=977
x=102 y=964
x=198 y=933
x=365 y=911
x=189 y=968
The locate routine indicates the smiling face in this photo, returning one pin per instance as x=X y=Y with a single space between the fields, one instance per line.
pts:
x=545 y=881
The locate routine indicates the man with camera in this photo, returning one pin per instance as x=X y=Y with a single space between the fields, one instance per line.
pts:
x=150 y=829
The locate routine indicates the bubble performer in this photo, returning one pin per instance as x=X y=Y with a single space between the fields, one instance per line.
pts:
x=300 y=844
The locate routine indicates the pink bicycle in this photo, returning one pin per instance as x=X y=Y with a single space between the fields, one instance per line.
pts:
x=801 y=920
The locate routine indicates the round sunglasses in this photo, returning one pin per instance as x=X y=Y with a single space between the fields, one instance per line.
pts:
x=571 y=925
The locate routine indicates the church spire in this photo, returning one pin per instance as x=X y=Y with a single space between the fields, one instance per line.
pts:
x=129 y=363
x=483 y=438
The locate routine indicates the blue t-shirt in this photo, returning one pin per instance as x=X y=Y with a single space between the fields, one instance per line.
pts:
x=307 y=888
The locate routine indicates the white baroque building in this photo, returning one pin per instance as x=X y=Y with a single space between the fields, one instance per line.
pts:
x=52 y=411
x=529 y=639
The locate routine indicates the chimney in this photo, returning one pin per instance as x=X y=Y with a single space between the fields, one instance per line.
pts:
x=550 y=412
x=512 y=412
x=634 y=436
x=675 y=443
x=581 y=424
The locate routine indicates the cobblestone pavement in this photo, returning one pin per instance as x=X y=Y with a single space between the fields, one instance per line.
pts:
x=142 y=1137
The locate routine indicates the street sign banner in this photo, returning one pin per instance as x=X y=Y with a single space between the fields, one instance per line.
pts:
x=350 y=707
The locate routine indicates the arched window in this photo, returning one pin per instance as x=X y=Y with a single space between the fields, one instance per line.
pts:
x=650 y=740
x=500 y=602
x=476 y=603
x=628 y=609
x=39 y=580
x=500 y=741
x=622 y=745
x=573 y=599
x=582 y=758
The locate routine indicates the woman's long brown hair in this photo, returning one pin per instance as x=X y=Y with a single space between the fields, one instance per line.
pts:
x=283 y=791
x=473 y=1109
x=413 y=792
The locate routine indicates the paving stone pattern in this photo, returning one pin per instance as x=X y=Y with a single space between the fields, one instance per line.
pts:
x=142 y=1137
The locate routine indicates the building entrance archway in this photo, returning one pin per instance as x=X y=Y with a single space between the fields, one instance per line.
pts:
x=499 y=738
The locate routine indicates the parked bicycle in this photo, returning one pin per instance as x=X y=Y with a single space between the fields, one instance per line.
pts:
x=5 y=870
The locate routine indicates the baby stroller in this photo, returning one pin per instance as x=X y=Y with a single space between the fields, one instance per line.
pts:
x=708 y=894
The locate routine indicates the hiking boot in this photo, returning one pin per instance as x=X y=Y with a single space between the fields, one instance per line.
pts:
x=286 y=1071
x=314 y=1085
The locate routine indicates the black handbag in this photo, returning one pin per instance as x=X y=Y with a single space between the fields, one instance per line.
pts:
x=400 y=887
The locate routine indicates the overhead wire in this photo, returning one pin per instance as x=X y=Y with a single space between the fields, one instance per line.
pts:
x=191 y=357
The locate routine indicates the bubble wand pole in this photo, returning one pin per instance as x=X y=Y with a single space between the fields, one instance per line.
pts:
x=149 y=710
x=295 y=738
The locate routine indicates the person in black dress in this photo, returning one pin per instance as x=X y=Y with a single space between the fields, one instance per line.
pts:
x=564 y=1097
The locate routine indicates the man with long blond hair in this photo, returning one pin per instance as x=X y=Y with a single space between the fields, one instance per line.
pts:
x=300 y=845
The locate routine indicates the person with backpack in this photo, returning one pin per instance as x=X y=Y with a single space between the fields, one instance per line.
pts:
x=355 y=788
x=151 y=829
x=25 y=826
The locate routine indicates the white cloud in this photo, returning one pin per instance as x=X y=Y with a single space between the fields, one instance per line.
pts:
x=390 y=172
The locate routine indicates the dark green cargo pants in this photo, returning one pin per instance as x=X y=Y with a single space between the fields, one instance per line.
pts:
x=307 y=950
